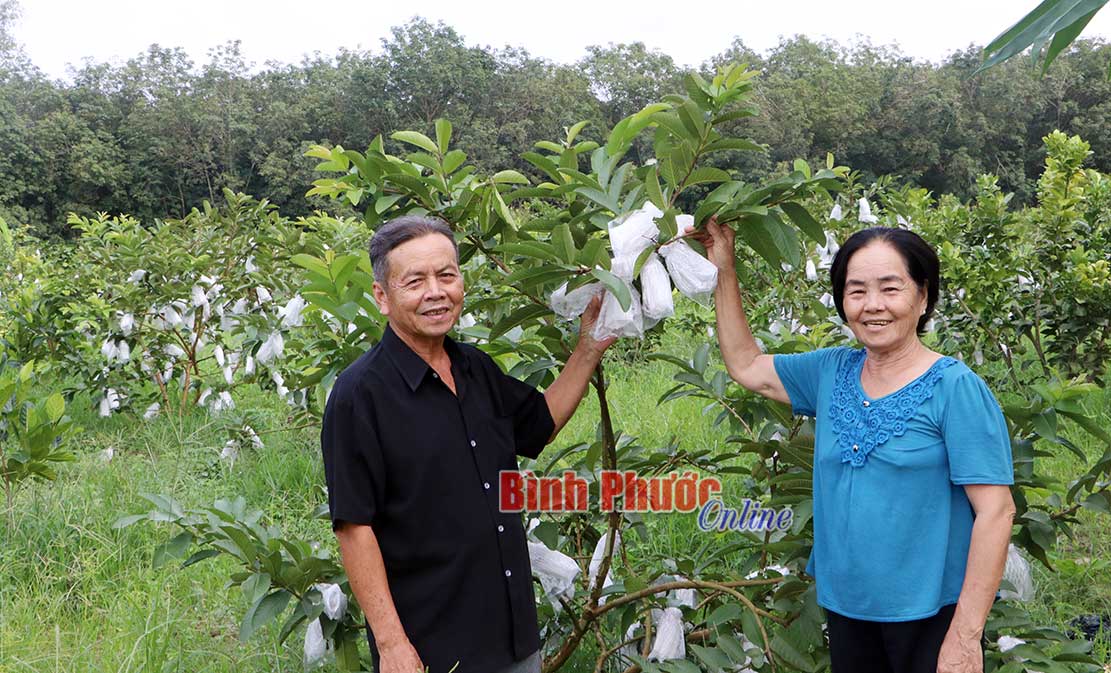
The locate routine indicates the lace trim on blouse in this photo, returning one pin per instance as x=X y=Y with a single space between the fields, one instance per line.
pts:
x=860 y=424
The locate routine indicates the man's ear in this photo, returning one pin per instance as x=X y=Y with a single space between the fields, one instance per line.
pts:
x=380 y=299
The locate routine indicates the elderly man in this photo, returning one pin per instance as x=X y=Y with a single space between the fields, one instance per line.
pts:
x=415 y=433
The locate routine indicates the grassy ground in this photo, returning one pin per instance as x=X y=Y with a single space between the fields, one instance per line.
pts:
x=78 y=596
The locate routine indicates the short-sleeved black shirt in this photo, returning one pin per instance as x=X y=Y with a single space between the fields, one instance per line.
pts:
x=420 y=466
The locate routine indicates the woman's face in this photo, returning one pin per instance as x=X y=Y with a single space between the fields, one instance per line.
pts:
x=882 y=303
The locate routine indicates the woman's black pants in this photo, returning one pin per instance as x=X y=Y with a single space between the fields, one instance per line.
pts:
x=858 y=646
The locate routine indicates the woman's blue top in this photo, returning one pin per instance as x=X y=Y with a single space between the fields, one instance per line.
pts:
x=892 y=523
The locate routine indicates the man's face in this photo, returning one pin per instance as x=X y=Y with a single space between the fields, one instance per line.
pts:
x=423 y=295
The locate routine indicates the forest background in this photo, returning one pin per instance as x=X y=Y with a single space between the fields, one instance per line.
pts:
x=155 y=136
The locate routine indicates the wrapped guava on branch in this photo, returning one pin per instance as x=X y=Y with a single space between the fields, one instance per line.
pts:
x=596 y=559
x=670 y=642
x=1017 y=572
x=315 y=645
x=630 y=235
x=654 y=281
x=694 y=275
x=555 y=570
x=614 y=321
x=570 y=305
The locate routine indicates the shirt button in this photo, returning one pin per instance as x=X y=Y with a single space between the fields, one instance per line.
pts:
x=435 y=375
x=501 y=529
x=508 y=573
x=474 y=443
x=866 y=403
x=486 y=485
x=856 y=447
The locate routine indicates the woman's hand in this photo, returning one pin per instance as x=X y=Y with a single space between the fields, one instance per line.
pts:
x=718 y=241
x=960 y=654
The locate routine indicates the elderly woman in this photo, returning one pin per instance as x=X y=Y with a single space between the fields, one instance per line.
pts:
x=912 y=512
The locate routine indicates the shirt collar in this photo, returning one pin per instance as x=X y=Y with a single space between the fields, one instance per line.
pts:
x=412 y=367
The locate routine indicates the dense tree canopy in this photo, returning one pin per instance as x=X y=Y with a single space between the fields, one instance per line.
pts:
x=159 y=133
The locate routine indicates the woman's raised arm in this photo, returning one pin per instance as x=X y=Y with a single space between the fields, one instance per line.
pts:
x=744 y=361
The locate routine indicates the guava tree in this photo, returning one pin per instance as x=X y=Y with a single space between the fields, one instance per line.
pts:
x=523 y=238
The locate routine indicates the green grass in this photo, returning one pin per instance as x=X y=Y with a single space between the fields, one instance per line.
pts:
x=78 y=596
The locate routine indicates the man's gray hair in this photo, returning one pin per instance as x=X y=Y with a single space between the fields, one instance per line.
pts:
x=398 y=231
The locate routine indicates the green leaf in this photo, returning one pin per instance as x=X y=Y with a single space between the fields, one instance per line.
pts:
x=503 y=210
x=509 y=177
x=200 y=556
x=384 y=203
x=732 y=647
x=564 y=243
x=443 y=135
x=574 y=131
x=521 y=315
x=601 y=198
x=1088 y=424
x=751 y=629
x=537 y=275
x=1045 y=424
x=641 y=259
x=262 y=612
x=55 y=407
x=125 y=521
x=666 y=225
x=652 y=188
x=616 y=286
x=1047 y=19
x=789 y=653
x=714 y=658
x=706 y=174
x=726 y=612
x=756 y=233
x=804 y=221
x=418 y=139
x=548 y=533
x=679 y=666
x=734 y=144
x=312 y=264
x=256 y=586
x=173 y=549
x=534 y=249
x=453 y=160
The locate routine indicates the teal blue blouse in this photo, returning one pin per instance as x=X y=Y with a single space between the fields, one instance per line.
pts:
x=892 y=523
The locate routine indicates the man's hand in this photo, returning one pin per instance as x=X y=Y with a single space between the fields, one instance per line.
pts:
x=960 y=654
x=718 y=241
x=399 y=657
x=588 y=345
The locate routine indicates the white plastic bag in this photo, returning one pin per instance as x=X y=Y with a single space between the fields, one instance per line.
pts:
x=335 y=601
x=654 y=281
x=596 y=560
x=613 y=321
x=694 y=275
x=315 y=645
x=1017 y=572
x=683 y=597
x=634 y=232
x=570 y=305
x=865 y=214
x=555 y=570
x=669 y=642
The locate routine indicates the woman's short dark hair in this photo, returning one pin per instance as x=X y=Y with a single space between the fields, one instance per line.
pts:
x=400 y=230
x=919 y=256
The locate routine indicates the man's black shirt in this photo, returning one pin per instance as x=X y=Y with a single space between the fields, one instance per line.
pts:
x=420 y=465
